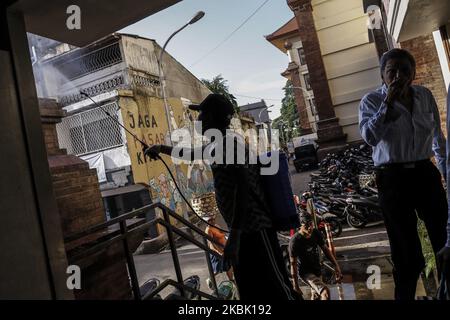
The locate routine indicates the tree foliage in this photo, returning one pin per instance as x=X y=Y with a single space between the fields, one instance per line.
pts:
x=219 y=85
x=289 y=118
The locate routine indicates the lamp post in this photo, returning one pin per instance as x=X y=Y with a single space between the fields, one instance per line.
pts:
x=260 y=125
x=259 y=115
x=162 y=82
x=161 y=75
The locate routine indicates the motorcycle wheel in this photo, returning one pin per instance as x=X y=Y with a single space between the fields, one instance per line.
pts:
x=335 y=227
x=355 y=222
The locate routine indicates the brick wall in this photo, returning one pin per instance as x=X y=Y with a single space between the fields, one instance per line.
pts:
x=104 y=274
x=428 y=70
x=77 y=193
x=51 y=139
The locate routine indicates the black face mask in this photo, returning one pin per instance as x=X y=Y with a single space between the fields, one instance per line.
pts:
x=211 y=121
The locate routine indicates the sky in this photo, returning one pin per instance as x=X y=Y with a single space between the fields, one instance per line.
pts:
x=250 y=63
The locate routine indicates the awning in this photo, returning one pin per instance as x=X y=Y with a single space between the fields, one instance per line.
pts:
x=408 y=19
x=98 y=18
x=122 y=190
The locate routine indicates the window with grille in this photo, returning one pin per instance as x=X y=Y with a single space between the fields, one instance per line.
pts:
x=307 y=82
x=312 y=105
x=301 y=56
x=90 y=131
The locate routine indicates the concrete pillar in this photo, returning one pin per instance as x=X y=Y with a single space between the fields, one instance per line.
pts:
x=77 y=193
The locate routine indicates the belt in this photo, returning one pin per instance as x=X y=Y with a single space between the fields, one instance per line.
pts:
x=404 y=165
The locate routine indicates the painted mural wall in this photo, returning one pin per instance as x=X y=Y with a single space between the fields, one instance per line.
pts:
x=145 y=117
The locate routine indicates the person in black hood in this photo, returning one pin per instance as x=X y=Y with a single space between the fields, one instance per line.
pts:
x=252 y=248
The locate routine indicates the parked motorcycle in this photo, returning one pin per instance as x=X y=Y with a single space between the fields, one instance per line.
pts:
x=323 y=216
x=345 y=185
x=362 y=210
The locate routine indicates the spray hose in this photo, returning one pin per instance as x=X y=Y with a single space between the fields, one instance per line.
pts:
x=184 y=198
x=146 y=146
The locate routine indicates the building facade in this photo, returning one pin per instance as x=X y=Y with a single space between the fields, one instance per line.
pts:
x=260 y=114
x=30 y=219
x=342 y=50
x=287 y=39
x=120 y=73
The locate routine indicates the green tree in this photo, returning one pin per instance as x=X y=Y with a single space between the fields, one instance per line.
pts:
x=289 y=115
x=219 y=85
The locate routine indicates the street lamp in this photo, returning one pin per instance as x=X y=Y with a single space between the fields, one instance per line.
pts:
x=162 y=81
x=161 y=76
x=259 y=115
x=281 y=124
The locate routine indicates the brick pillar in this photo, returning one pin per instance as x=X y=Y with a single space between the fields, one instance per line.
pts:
x=104 y=274
x=294 y=75
x=329 y=131
x=428 y=71
x=75 y=185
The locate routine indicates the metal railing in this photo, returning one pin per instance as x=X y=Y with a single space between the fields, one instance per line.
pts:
x=104 y=85
x=89 y=62
x=125 y=232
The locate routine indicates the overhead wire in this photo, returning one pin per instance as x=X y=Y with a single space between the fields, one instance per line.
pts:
x=231 y=34
x=146 y=146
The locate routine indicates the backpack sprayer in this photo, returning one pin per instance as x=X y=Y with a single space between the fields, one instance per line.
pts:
x=146 y=146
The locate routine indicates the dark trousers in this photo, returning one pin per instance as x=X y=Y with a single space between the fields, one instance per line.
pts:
x=404 y=194
x=261 y=273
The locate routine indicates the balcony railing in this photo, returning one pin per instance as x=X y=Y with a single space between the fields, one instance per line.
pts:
x=92 y=61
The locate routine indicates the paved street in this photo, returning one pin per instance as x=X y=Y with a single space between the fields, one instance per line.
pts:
x=357 y=250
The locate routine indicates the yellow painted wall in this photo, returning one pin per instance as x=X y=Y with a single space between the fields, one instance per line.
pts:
x=145 y=117
x=143 y=113
x=351 y=60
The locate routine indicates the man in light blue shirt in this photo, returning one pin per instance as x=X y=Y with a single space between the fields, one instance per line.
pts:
x=401 y=122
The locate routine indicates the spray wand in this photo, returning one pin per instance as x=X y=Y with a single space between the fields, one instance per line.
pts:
x=146 y=146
